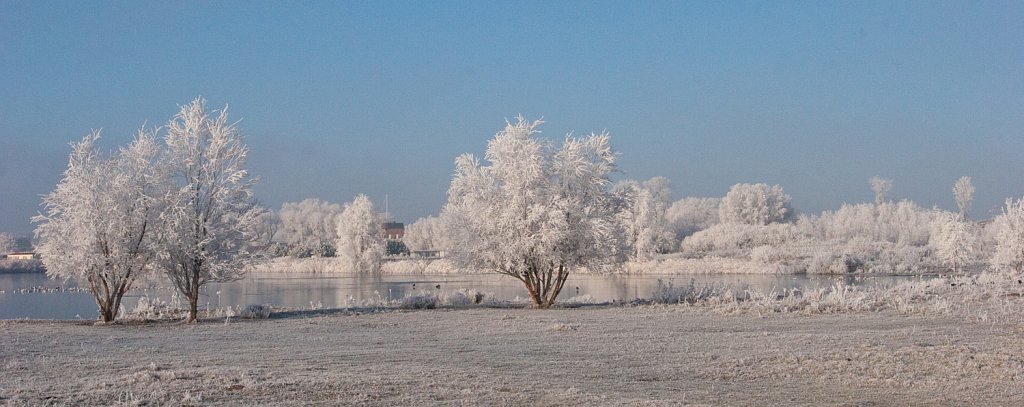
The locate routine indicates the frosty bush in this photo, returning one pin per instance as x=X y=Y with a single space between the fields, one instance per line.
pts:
x=1009 y=251
x=691 y=215
x=755 y=204
x=703 y=265
x=156 y=309
x=642 y=216
x=429 y=233
x=420 y=301
x=255 y=311
x=439 y=266
x=324 y=250
x=395 y=248
x=300 y=252
x=903 y=223
x=463 y=297
x=457 y=299
x=276 y=250
x=669 y=293
x=309 y=224
x=738 y=237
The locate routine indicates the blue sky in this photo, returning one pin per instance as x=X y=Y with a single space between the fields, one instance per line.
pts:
x=341 y=98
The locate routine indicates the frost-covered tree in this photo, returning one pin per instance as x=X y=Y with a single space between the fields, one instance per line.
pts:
x=360 y=232
x=755 y=204
x=427 y=234
x=100 y=222
x=7 y=243
x=269 y=224
x=952 y=239
x=881 y=186
x=691 y=215
x=1009 y=253
x=643 y=216
x=536 y=212
x=310 y=224
x=902 y=222
x=212 y=221
x=963 y=192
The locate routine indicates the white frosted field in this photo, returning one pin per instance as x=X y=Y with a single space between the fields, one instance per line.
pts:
x=965 y=352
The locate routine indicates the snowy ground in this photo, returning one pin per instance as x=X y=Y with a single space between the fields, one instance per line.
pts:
x=598 y=355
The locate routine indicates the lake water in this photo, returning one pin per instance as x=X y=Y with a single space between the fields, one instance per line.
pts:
x=38 y=297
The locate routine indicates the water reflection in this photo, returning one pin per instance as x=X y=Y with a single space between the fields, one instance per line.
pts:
x=334 y=291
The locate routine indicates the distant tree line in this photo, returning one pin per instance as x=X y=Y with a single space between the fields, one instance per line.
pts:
x=178 y=201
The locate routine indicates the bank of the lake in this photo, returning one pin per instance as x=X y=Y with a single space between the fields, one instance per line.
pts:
x=35 y=296
x=640 y=355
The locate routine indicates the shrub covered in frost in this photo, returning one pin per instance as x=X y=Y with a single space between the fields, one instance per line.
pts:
x=691 y=215
x=755 y=204
x=733 y=238
x=300 y=252
x=669 y=293
x=156 y=309
x=705 y=265
x=324 y=250
x=903 y=222
x=255 y=311
x=420 y=301
x=463 y=297
x=276 y=250
x=439 y=266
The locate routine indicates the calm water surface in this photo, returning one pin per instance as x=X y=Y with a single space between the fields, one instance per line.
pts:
x=35 y=296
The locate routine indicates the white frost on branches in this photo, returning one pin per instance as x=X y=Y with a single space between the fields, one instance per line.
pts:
x=429 y=233
x=309 y=224
x=7 y=243
x=755 y=204
x=360 y=236
x=691 y=215
x=963 y=192
x=212 y=222
x=952 y=239
x=536 y=211
x=643 y=216
x=881 y=186
x=100 y=222
x=1009 y=252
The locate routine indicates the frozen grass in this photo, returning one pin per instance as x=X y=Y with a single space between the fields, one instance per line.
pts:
x=632 y=355
x=983 y=296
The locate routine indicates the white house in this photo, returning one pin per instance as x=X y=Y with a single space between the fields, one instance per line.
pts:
x=21 y=256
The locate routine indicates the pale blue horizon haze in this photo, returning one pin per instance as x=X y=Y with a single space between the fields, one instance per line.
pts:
x=342 y=98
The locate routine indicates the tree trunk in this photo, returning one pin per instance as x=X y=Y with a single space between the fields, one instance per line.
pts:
x=193 y=305
x=102 y=300
x=544 y=286
x=107 y=313
x=193 y=294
